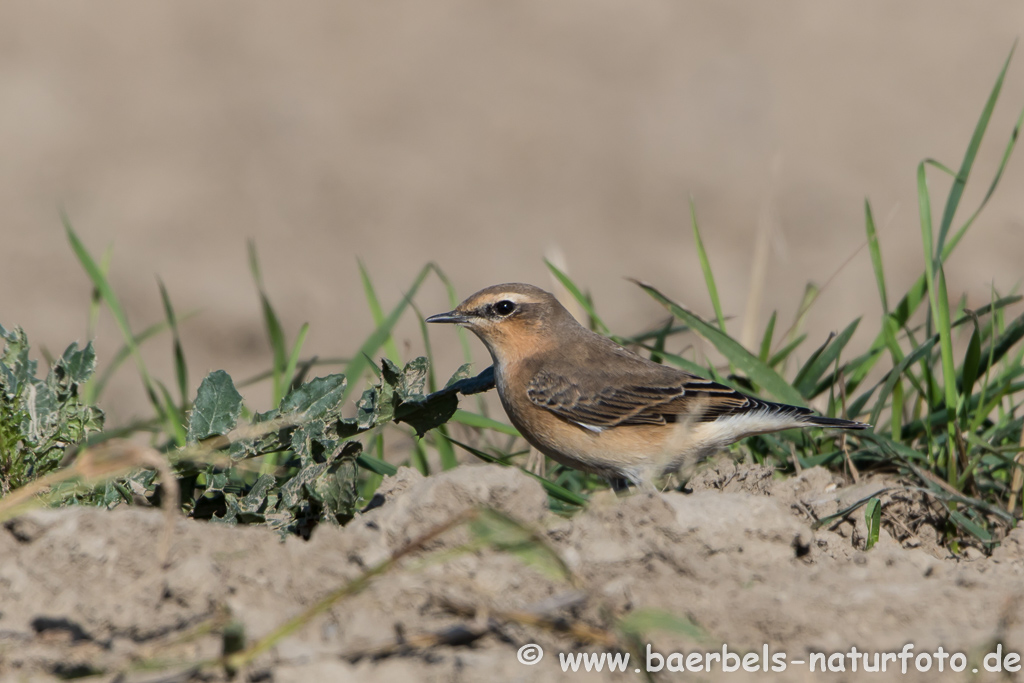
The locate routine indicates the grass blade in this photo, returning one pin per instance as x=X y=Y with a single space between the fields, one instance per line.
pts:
x=553 y=489
x=293 y=358
x=173 y=417
x=782 y=354
x=180 y=369
x=96 y=298
x=876 y=256
x=915 y=295
x=580 y=297
x=482 y=422
x=94 y=388
x=873 y=517
x=275 y=332
x=766 y=340
x=705 y=265
x=735 y=353
x=957 y=190
x=376 y=465
x=101 y=283
x=359 y=364
x=375 y=310
x=935 y=277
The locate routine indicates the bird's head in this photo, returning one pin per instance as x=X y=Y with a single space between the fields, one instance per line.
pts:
x=510 y=319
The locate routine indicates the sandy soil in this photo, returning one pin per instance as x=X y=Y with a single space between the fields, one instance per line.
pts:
x=480 y=136
x=82 y=589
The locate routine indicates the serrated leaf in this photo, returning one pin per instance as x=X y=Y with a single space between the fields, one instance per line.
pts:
x=79 y=364
x=216 y=407
x=291 y=492
x=390 y=373
x=473 y=385
x=257 y=496
x=414 y=379
x=316 y=398
x=429 y=412
x=15 y=357
x=367 y=410
x=303 y=437
x=465 y=371
x=43 y=412
x=8 y=381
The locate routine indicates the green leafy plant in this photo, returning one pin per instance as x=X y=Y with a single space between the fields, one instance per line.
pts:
x=39 y=418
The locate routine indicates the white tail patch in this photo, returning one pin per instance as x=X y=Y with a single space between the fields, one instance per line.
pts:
x=730 y=428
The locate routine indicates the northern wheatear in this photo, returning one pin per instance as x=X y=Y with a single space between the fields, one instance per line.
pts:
x=590 y=404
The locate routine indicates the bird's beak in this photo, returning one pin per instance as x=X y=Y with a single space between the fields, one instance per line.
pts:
x=449 y=317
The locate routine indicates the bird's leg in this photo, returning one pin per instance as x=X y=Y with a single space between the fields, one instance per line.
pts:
x=619 y=484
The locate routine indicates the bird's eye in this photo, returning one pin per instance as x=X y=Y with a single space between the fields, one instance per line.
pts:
x=504 y=308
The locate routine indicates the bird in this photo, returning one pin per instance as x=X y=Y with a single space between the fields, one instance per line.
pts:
x=593 y=405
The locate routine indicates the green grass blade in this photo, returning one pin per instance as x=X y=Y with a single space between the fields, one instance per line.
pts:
x=745 y=361
x=1014 y=333
x=873 y=518
x=583 y=300
x=658 y=348
x=705 y=265
x=896 y=411
x=811 y=292
x=293 y=358
x=96 y=298
x=782 y=354
x=275 y=332
x=683 y=363
x=418 y=457
x=894 y=374
x=377 y=312
x=94 y=388
x=359 y=364
x=174 y=419
x=444 y=448
x=817 y=366
x=180 y=368
x=916 y=294
x=766 y=340
x=101 y=283
x=960 y=180
x=554 y=490
x=876 y=256
x=453 y=301
x=376 y=465
x=314 y=361
x=482 y=422
x=972 y=362
x=938 y=299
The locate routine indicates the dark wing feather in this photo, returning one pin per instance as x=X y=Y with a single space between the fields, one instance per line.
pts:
x=639 y=398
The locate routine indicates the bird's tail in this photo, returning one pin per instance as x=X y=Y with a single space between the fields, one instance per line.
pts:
x=832 y=422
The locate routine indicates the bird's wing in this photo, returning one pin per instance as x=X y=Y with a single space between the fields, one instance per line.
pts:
x=637 y=398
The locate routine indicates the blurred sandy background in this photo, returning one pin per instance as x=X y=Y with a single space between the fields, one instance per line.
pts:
x=479 y=136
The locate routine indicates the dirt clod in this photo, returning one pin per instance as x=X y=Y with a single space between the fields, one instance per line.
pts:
x=82 y=591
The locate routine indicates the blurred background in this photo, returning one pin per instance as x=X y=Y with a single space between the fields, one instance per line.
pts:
x=483 y=137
